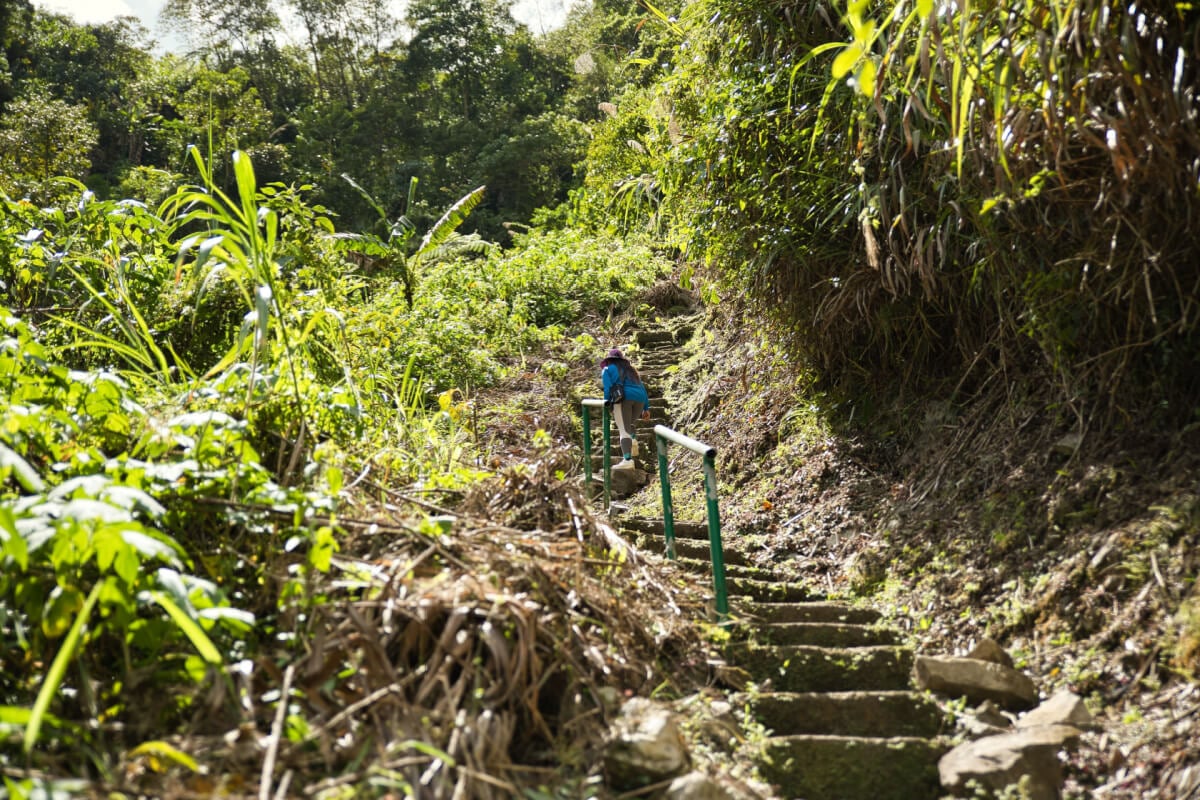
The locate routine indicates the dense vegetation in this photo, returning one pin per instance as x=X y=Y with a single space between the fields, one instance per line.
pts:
x=239 y=281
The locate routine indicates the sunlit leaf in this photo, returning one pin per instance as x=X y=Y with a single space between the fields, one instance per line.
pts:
x=846 y=60
x=26 y=475
x=165 y=752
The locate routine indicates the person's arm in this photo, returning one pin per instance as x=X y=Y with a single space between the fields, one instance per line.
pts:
x=608 y=376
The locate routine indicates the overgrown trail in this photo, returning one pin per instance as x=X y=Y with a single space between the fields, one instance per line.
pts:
x=828 y=682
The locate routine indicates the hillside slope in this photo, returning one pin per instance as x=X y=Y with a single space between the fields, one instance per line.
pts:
x=992 y=516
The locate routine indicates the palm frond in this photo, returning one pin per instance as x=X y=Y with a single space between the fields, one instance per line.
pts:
x=453 y=217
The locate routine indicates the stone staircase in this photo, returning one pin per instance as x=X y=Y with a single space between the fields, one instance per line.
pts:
x=830 y=684
x=657 y=349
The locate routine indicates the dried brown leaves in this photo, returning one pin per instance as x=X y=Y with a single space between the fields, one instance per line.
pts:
x=461 y=662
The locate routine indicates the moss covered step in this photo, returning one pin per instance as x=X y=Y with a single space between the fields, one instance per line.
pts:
x=816 y=611
x=658 y=336
x=825 y=634
x=873 y=714
x=703 y=566
x=654 y=526
x=853 y=768
x=693 y=549
x=741 y=589
x=803 y=668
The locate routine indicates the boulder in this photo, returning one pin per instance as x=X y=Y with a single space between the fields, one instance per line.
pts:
x=988 y=650
x=1028 y=758
x=624 y=481
x=644 y=746
x=976 y=680
x=1064 y=708
x=695 y=786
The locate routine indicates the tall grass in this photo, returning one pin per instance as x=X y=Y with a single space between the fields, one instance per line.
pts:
x=951 y=193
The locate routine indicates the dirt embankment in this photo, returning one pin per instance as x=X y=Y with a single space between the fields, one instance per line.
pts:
x=997 y=515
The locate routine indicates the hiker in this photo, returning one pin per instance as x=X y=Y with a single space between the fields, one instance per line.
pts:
x=625 y=392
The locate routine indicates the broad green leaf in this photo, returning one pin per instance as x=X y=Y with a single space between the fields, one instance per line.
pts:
x=846 y=61
x=453 y=217
x=59 y=612
x=195 y=634
x=58 y=669
x=866 y=78
x=25 y=474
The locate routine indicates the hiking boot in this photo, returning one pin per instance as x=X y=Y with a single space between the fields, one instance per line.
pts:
x=625 y=464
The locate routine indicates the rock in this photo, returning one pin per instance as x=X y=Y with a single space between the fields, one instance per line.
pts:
x=976 y=680
x=1026 y=757
x=644 y=746
x=989 y=714
x=720 y=726
x=609 y=698
x=986 y=720
x=1064 y=708
x=1068 y=444
x=988 y=650
x=695 y=786
x=625 y=481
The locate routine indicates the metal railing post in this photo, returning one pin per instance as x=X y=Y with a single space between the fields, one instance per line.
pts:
x=587 y=448
x=714 y=534
x=606 y=422
x=663 y=435
x=607 y=459
x=668 y=511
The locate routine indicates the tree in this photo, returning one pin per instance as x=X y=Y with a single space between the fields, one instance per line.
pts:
x=96 y=67
x=42 y=137
x=223 y=28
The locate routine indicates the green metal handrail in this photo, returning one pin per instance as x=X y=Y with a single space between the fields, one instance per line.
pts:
x=663 y=435
x=605 y=416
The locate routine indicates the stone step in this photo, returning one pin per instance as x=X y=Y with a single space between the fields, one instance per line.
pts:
x=823 y=634
x=688 y=548
x=815 y=611
x=658 y=336
x=654 y=527
x=766 y=591
x=801 y=668
x=873 y=714
x=853 y=768
x=703 y=566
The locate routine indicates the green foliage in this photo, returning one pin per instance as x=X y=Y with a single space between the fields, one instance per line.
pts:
x=893 y=187
x=469 y=317
x=42 y=137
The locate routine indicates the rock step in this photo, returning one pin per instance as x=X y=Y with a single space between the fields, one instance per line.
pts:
x=816 y=611
x=802 y=668
x=653 y=526
x=703 y=566
x=766 y=591
x=824 y=634
x=871 y=714
x=853 y=768
x=657 y=336
x=697 y=549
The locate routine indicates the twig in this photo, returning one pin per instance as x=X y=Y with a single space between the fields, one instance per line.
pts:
x=268 y=768
x=646 y=789
x=281 y=792
x=350 y=710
